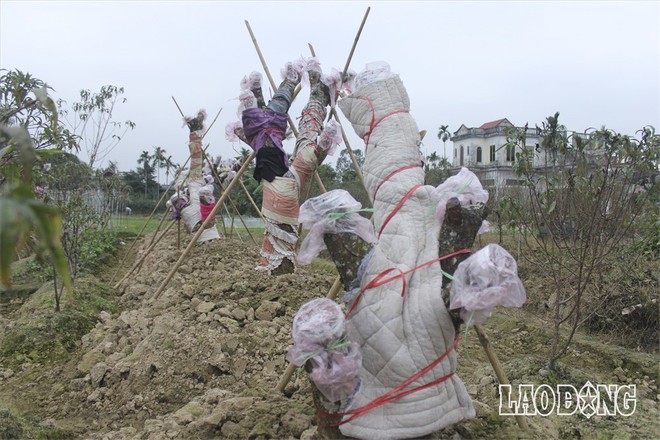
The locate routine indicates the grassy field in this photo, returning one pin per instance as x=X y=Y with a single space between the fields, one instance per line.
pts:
x=134 y=223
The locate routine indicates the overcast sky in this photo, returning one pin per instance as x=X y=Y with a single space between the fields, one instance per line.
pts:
x=596 y=62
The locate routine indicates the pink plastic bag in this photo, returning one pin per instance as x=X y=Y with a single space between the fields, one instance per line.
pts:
x=486 y=279
x=319 y=335
x=315 y=216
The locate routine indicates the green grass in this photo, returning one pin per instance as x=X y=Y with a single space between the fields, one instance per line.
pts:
x=134 y=223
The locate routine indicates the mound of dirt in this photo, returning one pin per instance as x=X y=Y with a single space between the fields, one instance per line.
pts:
x=202 y=361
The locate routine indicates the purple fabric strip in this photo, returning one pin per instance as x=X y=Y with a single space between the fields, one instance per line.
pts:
x=259 y=125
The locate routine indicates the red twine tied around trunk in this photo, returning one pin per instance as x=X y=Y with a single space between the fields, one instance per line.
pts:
x=374 y=123
x=392 y=395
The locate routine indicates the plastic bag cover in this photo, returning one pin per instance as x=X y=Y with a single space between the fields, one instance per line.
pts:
x=486 y=279
x=314 y=217
x=319 y=325
x=465 y=186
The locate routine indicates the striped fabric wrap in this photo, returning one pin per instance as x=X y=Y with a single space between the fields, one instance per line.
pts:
x=191 y=214
x=195 y=147
x=280 y=204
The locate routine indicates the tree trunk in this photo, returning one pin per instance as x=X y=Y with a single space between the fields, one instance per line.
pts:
x=459 y=230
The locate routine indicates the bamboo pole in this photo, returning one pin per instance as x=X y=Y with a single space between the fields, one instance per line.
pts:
x=160 y=201
x=215 y=174
x=286 y=377
x=499 y=372
x=270 y=78
x=334 y=114
x=252 y=201
x=193 y=241
x=144 y=256
x=142 y=230
x=153 y=237
x=357 y=37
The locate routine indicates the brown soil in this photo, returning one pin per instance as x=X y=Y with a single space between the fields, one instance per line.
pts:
x=202 y=361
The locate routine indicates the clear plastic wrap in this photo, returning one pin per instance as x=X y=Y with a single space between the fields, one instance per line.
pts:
x=293 y=70
x=206 y=190
x=375 y=71
x=486 y=279
x=251 y=81
x=465 y=186
x=230 y=131
x=348 y=84
x=315 y=217
x=246 y=100
x=333 y=81
x=319 y=332
x=330 y=137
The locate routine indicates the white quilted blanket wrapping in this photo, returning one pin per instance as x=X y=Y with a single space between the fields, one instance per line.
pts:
x=399 y=336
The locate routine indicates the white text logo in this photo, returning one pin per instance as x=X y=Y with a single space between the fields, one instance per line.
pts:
x=566 y=400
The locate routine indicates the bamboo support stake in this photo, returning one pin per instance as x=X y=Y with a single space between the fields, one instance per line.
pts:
x=142 y=230
x=270 y=78
x=286 y=377
x=249 y=196
x=160 y=201
x=499 y=372
x=357 y=37
x=153 y=237
x=144 y=256
x=334 y=114
x=193 y=241
x=215 y=174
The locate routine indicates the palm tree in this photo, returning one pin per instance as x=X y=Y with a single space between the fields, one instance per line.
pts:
x=169 y=165
x=433 y=160
x=158 y=160
x=145 y=159
x=444 y=135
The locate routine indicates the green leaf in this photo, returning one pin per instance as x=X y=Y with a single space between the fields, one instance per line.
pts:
x=552 y=207
x=8 y=237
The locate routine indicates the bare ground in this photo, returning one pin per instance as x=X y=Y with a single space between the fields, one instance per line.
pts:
x=202 y=361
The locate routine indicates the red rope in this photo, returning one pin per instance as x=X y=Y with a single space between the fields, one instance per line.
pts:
x=379 y=281
x=374 y=123
x=398 y=206
x=314 y=114
x=392 y=174
x=393 y=394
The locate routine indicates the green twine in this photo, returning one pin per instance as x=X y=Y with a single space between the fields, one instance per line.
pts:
x=303 y=358
x=337 y=215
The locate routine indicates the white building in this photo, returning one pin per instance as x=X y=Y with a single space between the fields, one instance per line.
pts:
x=482 y=150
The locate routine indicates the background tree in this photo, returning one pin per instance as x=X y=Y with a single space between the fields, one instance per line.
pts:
x=158 y=161
x=444 y=135
x=581 y=216
x=29 y=125
x=24 y=102
x=147 y=169
x=169 y=166
x=345 y=169
x=93 y=121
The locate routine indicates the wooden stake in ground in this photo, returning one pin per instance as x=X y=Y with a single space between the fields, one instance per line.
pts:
x=120 y=265
x=143 y=257
x=193 y=241
x=333 y=111
x=499 y=372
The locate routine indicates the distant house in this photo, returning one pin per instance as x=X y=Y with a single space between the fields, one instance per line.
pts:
x=482 y=150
